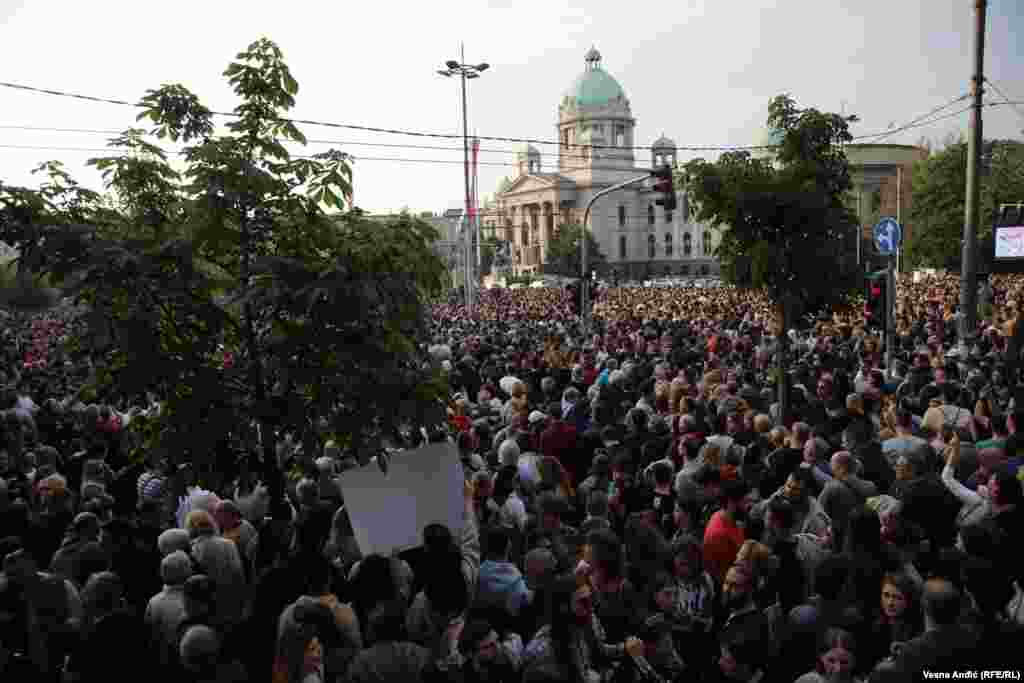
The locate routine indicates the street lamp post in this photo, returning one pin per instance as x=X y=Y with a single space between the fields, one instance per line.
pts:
x=464 y=71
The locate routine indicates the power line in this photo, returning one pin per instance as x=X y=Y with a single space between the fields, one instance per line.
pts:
x=115 y=151
x=95 y=131
x=917 y=120
x=1006 y=99
x=390 y=131
x=557 y=171
x=450 y=136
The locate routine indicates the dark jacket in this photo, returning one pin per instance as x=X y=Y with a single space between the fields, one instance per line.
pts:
x=929 y=506
x=948 y=648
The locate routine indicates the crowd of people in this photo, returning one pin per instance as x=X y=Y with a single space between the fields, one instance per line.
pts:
x=638 y=506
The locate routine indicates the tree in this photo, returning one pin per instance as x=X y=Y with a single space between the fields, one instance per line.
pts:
x=563 y=253
x=488 y=248
x=231 y=290
x=939 y=186
x=784 y=217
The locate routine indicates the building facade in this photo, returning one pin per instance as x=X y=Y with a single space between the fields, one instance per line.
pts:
x=881 y=176
x=596 y=134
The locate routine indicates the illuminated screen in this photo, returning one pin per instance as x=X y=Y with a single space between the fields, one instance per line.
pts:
x=1010 y=242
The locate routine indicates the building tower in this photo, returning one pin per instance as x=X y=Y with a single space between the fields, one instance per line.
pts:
x=595 y=112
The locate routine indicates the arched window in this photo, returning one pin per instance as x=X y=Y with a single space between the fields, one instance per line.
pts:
x=652 y=246
x=650 y=214
x=668 y=244
x=622 y=247
x=668 y=216
x=687 y=244
x=707 y=243
x=622 y=216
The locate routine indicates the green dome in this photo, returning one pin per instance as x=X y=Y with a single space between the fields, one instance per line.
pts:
x=594 y=87
x=774 y=136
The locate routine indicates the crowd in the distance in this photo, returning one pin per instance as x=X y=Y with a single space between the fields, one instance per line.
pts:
x=638 y=507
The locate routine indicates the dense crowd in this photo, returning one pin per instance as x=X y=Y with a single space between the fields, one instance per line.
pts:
x=638 y=506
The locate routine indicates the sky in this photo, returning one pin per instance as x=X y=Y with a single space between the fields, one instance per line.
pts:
x=700 y=72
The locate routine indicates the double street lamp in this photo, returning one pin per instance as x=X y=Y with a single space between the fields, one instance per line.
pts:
x=466 y=71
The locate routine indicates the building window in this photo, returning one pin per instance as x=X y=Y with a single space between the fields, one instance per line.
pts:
x=707 y=243
x=704 y=270
x=652 y=246
x=684 y=270
x=565 y=137
x=622 y=247
x=650 y=215
x=549 y=227
x=524 y=234
x=668 y=244
x=619 y=138
x=668 y=216
x=622 y=216
x=687 y=244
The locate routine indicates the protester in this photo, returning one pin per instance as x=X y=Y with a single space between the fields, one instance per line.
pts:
x=645 y=507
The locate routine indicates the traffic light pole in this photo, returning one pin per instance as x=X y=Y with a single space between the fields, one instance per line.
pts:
x=890 y=316
x=585 y=283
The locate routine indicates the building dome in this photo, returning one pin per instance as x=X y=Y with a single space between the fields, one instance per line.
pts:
x=772 y=136
x=663 y=143
x=594 y=87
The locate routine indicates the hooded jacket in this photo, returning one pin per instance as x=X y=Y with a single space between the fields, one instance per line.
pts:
x=502 y=585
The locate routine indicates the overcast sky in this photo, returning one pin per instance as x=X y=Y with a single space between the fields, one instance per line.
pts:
x=700 y=72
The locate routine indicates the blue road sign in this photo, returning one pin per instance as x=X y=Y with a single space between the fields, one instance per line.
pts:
x=888 y=235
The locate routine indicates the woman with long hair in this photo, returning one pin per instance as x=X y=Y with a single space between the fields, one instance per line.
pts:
x=299 y=655
x=836 y=660
x=897 y=618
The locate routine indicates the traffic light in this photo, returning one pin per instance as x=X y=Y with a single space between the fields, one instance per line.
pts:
x=875 y=296
x=665 y=186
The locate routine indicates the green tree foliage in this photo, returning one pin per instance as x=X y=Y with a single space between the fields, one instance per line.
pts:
x=563 y=254
x=785 y=219
x=939 y=186
x=231 y=288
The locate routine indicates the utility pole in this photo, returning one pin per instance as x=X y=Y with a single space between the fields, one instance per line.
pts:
x=968 y=279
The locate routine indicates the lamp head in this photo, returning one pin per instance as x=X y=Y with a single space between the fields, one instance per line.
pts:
x=484 y=66
x=452 y=64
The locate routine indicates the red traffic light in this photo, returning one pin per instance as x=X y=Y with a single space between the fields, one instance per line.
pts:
x=876 y=291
